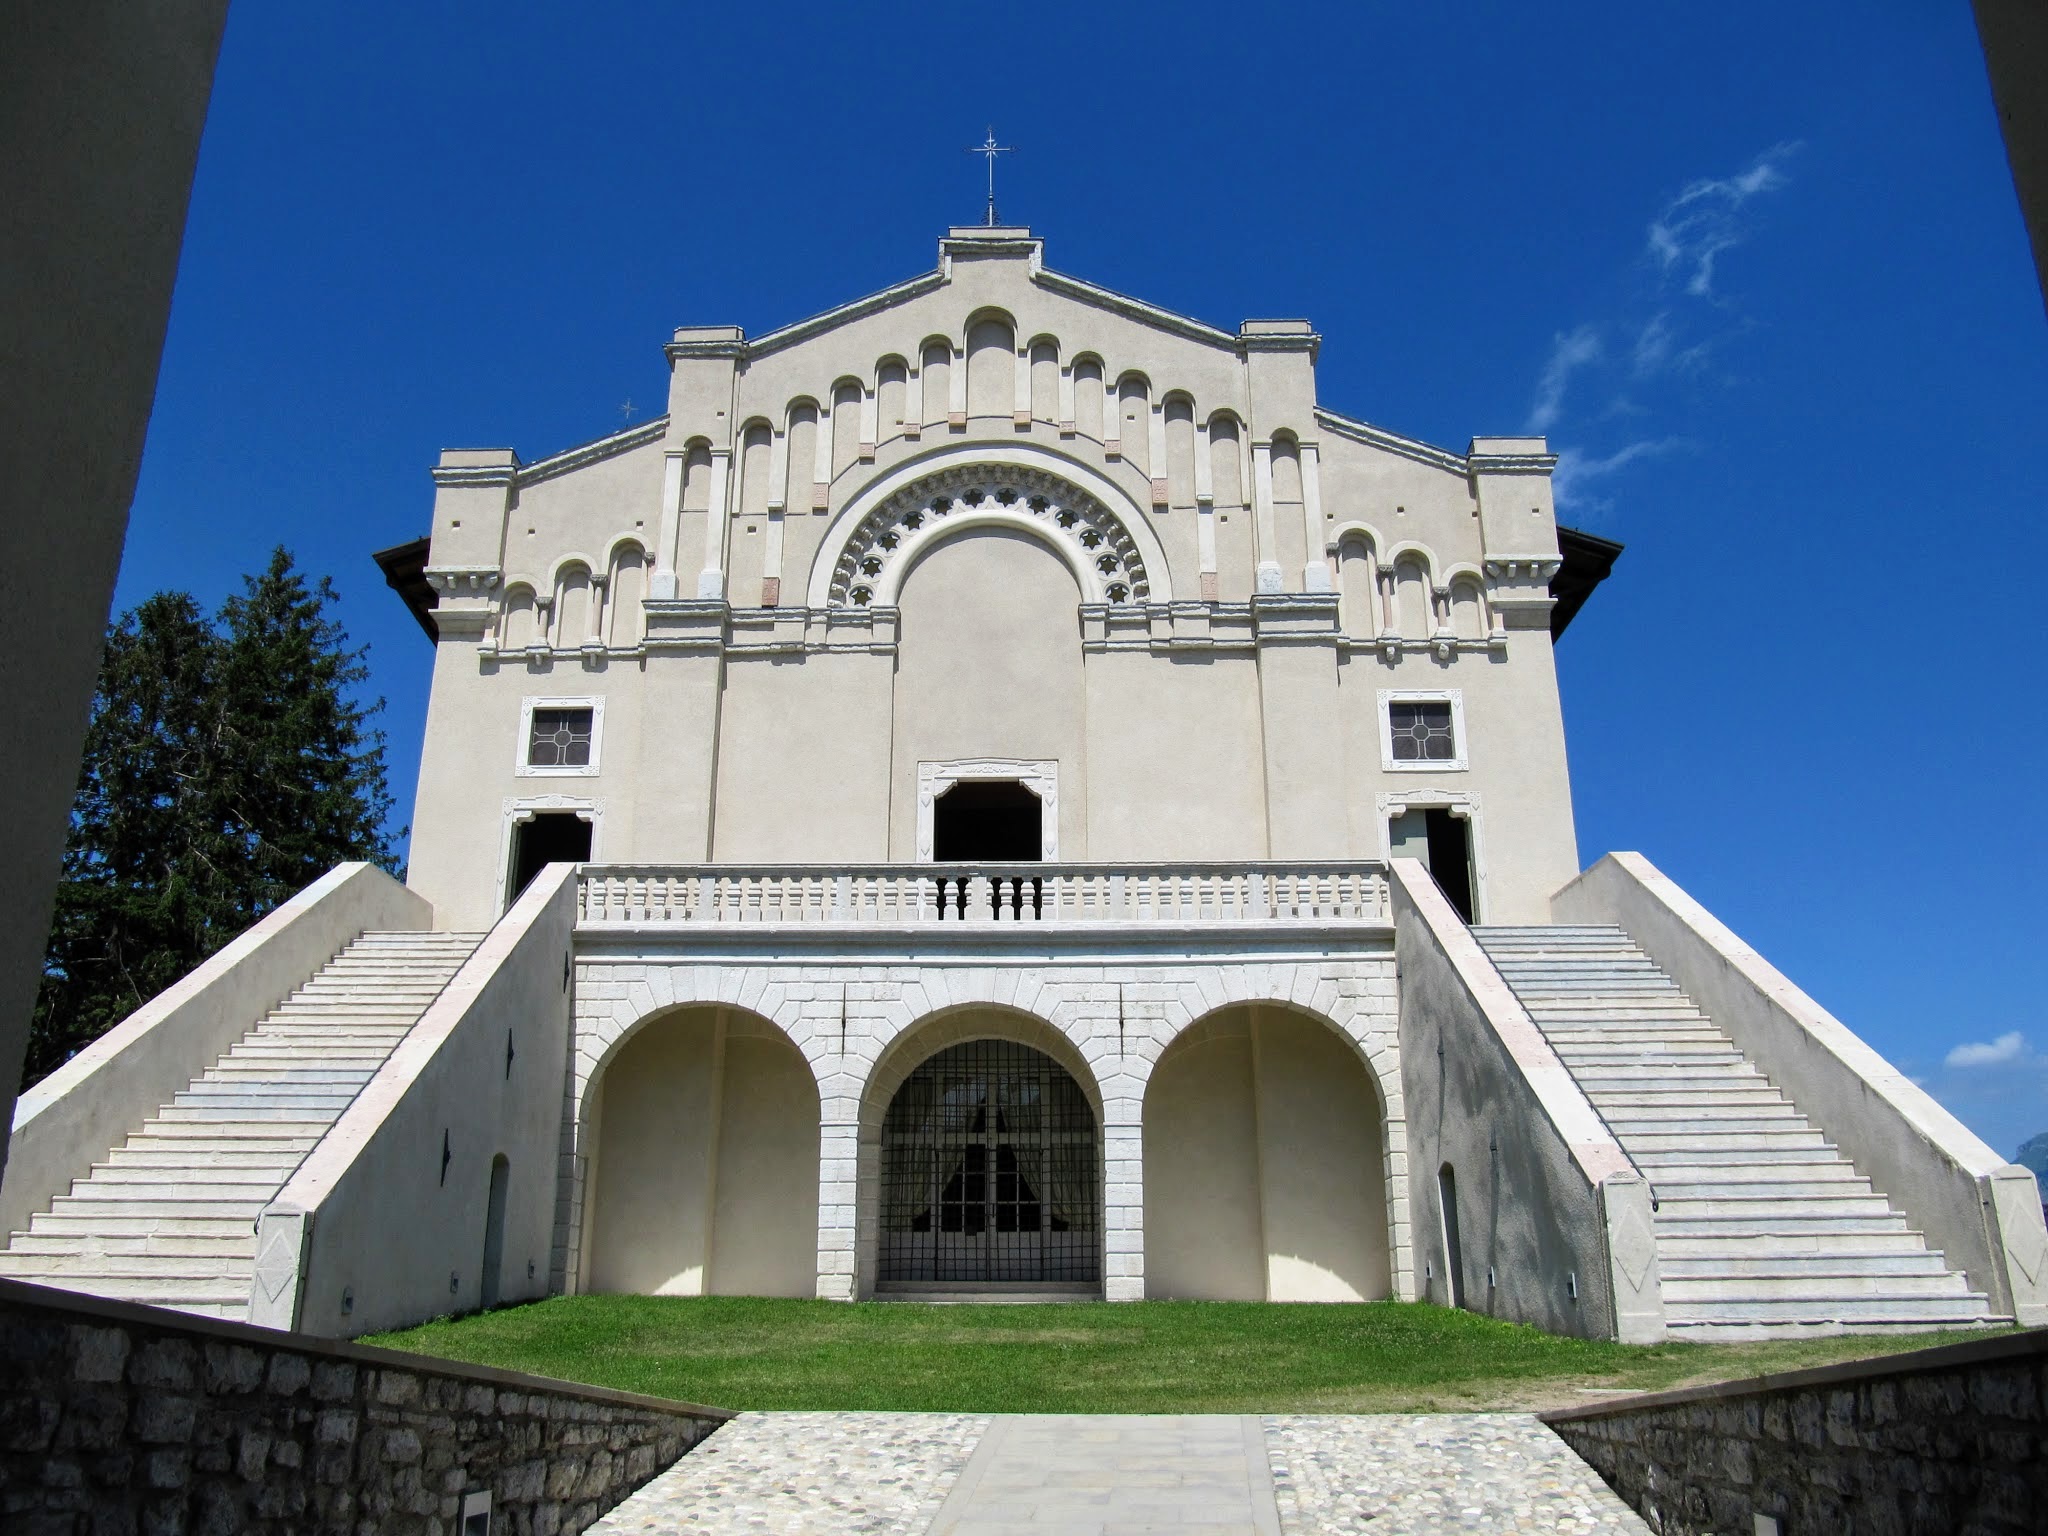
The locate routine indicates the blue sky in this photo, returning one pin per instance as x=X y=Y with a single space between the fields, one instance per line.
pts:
x=1757 y=272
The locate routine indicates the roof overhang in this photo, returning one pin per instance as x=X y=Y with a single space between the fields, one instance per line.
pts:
x=1588 y=561
x=405 y=572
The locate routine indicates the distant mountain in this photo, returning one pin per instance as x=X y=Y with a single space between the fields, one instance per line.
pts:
x=2034 y=1155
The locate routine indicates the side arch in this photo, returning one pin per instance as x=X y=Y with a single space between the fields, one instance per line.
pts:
x=1270 y=1174
x=703 y=1130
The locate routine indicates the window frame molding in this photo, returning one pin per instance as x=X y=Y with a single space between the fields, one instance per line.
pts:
x=1461 y=803
x=518 y=809
x=1039 y=775
x=1460 y=760
x=522 y=768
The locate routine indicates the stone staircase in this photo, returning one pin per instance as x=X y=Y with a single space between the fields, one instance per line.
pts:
x=1764 y=1229
x=169 y=1218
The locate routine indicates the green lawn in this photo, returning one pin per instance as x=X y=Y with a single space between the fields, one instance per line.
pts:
x=1133 y=1357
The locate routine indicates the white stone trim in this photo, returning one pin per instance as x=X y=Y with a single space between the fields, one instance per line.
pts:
x=526 y=770
x=523 y=808
x=1455 y=697
x=1039 y=775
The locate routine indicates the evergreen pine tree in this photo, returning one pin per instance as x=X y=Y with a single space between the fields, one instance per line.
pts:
x=226 y=767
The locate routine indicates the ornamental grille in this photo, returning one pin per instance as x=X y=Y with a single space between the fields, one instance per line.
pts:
x=1422 y=733
x=990 y=1171
x=560 y=739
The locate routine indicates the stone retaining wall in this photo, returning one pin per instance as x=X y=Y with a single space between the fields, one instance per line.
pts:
x=1951 y=1440
x=120 y=1420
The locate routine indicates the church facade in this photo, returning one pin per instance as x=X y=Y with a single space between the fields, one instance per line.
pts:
x=1000 y=789
x=1000 y=568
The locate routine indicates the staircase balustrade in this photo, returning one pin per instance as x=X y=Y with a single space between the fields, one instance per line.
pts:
x=975 y=894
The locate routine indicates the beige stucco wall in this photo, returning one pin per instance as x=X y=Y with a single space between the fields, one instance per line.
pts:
x=704 y=1175
x=1264 y=1165
x=1230 y=709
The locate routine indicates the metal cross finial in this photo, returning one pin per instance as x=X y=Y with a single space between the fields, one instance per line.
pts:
x=989 y=149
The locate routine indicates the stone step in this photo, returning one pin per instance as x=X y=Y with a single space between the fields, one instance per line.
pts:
x=1689 y=1293
x=109 y=1225
x=1927 y=1311
x=1680 y=1186
x=85 y=1203
x=1740 y=1226
x=1768 y=1205
x=227 y=1297
x=240 y=1248
x=214 y=1115
x=214 y=1178
x=1745 y=1154
x=146 y=1156
x=55 y=1268
x=1674 y=1118
x=1913 y=1260
x=182 y=1132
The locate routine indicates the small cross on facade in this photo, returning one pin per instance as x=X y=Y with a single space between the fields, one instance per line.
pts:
x=989 y=149
x=626 y=411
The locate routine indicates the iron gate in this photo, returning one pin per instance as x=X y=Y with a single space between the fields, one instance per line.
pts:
x=990 y=1171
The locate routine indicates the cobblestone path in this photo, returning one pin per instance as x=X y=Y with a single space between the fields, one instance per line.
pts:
x=1127 y=1474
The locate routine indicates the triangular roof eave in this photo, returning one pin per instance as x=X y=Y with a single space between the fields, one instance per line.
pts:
x=649 y=431
x=1057 y=282
x=1393 y=442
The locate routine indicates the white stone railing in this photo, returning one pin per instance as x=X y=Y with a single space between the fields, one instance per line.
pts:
x=804 y=894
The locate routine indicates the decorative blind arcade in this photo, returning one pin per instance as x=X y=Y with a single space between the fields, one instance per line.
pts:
x=990 y=1171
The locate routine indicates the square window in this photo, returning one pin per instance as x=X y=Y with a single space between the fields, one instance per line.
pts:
x=560 y=738
x=1421 y=732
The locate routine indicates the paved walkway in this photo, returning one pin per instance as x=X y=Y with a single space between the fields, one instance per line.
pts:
x=945 y=1474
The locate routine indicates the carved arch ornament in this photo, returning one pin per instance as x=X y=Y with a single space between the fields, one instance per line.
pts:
x=1093 y=541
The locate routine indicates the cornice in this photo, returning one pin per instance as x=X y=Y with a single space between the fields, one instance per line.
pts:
x=1135 y=309
x=1513 y=463
x=473 y=475
x=803 y=330
x=649 y=431
x=455 y=580
x=1392 y=442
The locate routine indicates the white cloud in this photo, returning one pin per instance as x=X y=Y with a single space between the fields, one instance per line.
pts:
x=1576 y=469
x=1704 y=220
x=2007 y=1050
x=1571 y=351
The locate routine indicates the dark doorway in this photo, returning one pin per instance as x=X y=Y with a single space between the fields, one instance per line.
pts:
x=1444 y=843
x=987 y=820
x=1454 y=1250
x=990 y=1171
x=494 y=1230
x=551 y=837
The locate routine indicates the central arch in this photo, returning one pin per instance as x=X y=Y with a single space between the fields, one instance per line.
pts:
x=990 y=1172
x=981 y=1158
